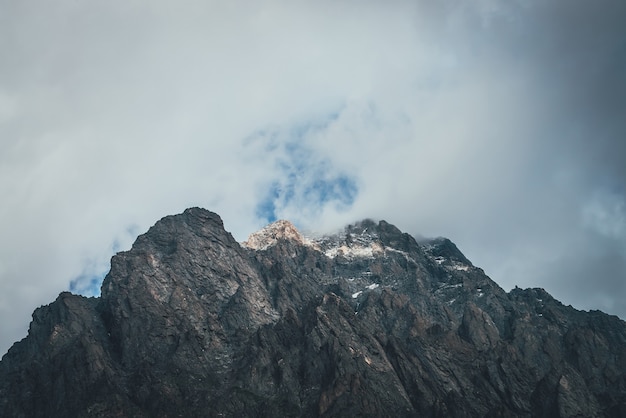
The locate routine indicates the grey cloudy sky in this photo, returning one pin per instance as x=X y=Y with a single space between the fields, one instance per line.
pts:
x=499 y=124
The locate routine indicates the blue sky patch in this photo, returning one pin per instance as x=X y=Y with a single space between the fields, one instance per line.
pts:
x=307 y=180
x=87 y=284
x=266 y=209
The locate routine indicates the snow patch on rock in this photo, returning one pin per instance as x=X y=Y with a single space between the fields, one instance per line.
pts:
x=355 y=251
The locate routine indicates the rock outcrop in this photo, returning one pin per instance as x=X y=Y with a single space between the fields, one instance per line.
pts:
x=368 y=322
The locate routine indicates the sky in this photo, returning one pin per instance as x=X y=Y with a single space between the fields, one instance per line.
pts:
x=498 y=124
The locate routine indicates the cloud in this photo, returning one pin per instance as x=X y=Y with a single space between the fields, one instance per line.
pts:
x=605 y=214
x=499 y=125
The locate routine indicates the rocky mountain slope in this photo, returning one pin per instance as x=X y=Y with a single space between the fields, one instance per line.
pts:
x=368 y=322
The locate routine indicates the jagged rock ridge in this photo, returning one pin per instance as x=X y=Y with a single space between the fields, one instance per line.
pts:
x=368 y=322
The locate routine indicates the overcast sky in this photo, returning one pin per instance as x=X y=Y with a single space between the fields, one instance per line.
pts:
x=499 y=124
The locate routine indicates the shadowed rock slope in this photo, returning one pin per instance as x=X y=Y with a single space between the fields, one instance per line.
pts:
x=367 y=322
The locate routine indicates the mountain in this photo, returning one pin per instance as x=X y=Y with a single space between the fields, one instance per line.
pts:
x=367 y=322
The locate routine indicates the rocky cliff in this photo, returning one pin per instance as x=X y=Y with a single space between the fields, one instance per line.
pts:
x=367 y=322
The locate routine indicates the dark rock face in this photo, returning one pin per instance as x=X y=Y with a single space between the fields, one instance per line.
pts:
x=365 y=323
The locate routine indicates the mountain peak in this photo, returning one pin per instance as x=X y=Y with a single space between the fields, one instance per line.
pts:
x=366 y=322
x=443 y=249
x=269 y=235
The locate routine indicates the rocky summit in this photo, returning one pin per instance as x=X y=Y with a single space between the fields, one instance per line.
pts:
x=367 y=322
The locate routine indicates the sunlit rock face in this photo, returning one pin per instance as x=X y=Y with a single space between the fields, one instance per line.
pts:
x=365 y=322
